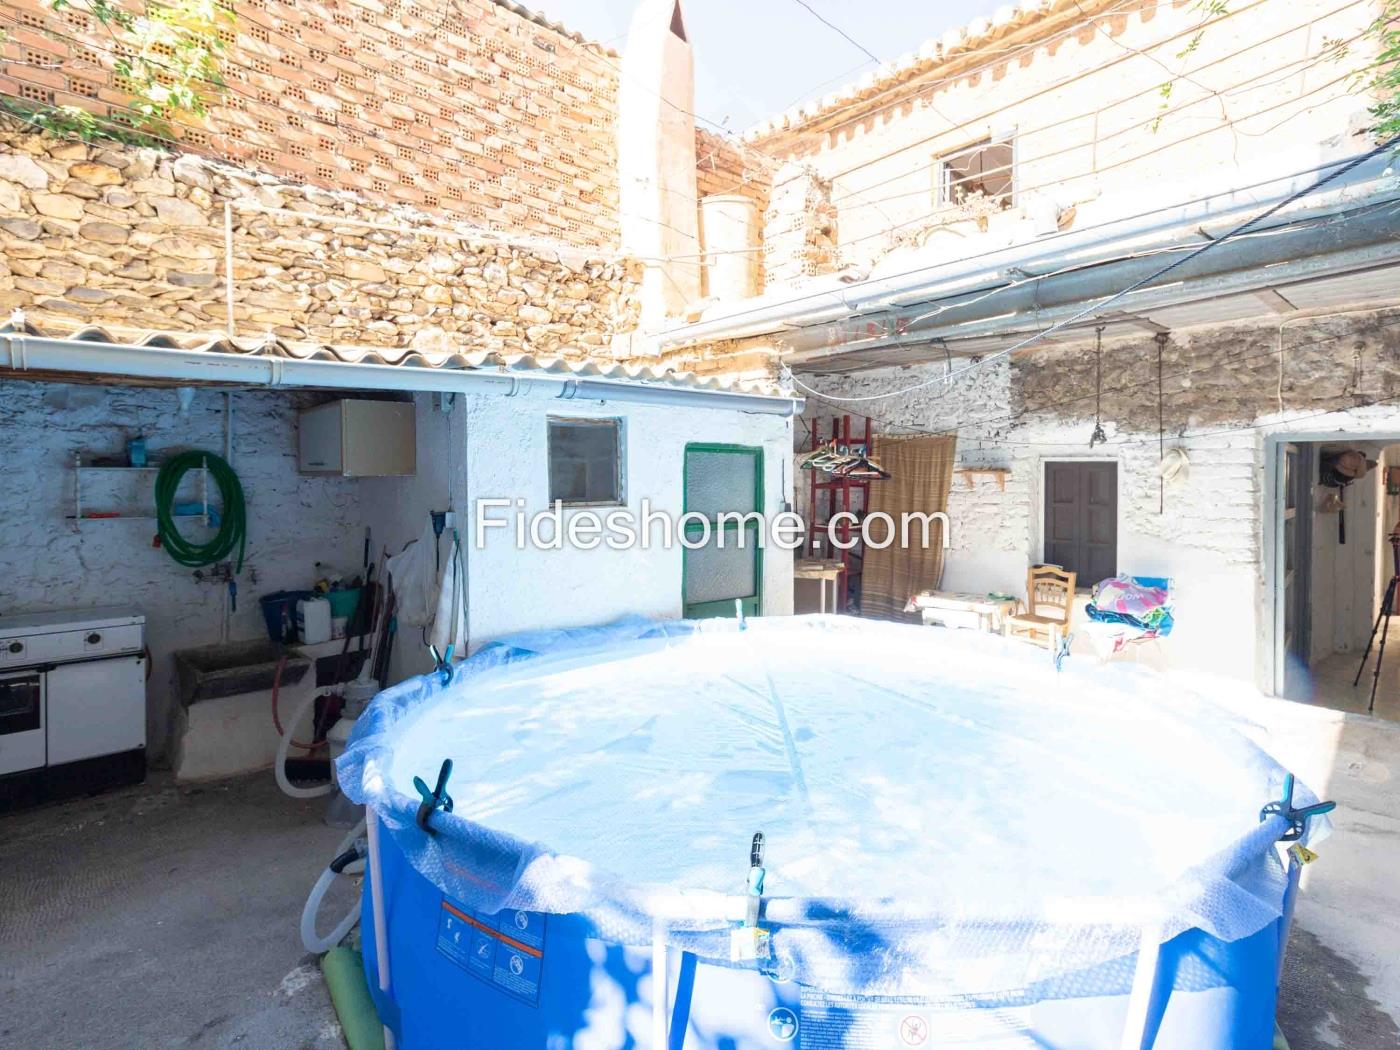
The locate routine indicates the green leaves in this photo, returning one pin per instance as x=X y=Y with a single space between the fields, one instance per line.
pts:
x=168 y=60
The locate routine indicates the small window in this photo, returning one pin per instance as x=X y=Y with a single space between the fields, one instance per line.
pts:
x=585 y=461
x=985 y=169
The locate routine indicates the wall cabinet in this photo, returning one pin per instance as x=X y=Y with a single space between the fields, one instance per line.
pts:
x=358 y=439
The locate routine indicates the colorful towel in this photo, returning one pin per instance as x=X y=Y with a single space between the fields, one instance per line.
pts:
x=1140 y=602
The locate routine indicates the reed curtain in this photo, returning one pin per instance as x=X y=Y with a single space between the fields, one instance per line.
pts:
x=921 y=470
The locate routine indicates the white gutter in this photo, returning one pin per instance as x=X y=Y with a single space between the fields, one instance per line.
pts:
x=23 y=353
x=1143 y=232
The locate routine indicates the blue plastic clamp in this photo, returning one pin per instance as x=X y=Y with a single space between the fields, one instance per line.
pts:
x=1297 y=818
x=435 y=799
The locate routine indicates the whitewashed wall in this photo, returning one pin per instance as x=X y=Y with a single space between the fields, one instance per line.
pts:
x=496 y=447
x=1211 y=533
x=1205 y=537
x=507 y=456
x=47 y=562
x=396 y=509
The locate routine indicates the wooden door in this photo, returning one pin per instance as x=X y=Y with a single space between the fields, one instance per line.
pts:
x=1081 y=518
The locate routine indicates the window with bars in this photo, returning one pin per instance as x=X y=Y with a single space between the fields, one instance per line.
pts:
x=986 y=169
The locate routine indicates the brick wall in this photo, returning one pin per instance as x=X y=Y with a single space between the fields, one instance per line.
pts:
x=724 y=166
x=462 y=106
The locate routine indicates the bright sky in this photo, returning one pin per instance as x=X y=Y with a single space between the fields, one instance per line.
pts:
x=755 y=58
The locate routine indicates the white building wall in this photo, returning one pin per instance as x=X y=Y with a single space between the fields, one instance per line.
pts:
x=1205 y=537
x=507 y=456
x=48 y=562
x=1260 y=94
x=491 y=447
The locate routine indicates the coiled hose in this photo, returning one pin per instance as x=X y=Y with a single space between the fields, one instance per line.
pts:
x=233 y=518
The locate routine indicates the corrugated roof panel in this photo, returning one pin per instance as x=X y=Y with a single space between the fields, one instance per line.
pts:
x=481 y=361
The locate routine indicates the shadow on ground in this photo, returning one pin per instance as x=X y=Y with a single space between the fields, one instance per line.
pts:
x=158 y=918
x=1324 y=1002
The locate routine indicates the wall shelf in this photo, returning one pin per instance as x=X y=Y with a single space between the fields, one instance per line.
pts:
x=143 y=513
x=970 y=473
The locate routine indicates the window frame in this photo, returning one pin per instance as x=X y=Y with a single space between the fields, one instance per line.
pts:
x=620 y=471
x=942 y=182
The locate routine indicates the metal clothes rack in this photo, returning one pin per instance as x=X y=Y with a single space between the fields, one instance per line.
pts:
x=841 y=494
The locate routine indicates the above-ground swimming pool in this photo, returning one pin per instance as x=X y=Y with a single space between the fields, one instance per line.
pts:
x=961 y=847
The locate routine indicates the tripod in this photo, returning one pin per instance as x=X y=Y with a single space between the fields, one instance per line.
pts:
x=1382 y=623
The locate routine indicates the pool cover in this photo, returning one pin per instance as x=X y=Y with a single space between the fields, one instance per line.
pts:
x=941 y=808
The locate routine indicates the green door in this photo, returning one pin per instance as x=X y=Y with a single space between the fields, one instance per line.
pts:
x=722 y=480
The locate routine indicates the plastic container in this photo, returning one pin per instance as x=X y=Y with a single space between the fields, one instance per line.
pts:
x=344 y=602
x=313 y=620
x=279 y=611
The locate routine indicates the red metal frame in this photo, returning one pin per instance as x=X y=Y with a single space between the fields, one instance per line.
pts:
x=837 y=490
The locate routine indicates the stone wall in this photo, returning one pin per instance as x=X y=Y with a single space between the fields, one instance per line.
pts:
x=134 y=239
x=466 y=107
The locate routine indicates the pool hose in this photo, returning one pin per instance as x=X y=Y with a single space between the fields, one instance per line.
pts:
x=232 y=527
x=345 y=977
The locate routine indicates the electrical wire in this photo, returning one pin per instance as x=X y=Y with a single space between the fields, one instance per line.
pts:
x=1013 y=417
x=1152 y=278
x=736 y=144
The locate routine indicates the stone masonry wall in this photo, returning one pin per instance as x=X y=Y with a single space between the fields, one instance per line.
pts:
x=133 y=239
x=462 y=106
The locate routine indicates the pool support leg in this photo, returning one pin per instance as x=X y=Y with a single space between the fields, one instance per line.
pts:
x=660 y=979
x=1135 y=1029
x=381 y=924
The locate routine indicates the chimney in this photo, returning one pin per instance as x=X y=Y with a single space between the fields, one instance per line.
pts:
x=656 y=160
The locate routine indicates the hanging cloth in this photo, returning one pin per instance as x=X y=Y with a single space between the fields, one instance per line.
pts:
x=922 y=471
x=449 y=631
x=414 y=579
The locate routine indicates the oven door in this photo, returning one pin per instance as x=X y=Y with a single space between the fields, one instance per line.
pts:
x=22 y=745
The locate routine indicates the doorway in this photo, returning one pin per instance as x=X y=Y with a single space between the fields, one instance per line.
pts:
x=1336 y=503
x=722 y=575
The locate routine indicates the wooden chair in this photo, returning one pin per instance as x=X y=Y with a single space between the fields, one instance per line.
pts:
x=1049 y=608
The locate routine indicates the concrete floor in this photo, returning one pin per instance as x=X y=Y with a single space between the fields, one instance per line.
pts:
x=157 y=918
x=1332 y=677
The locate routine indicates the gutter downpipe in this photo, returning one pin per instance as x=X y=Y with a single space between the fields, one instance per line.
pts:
x=1137 y=233
x=23 y=353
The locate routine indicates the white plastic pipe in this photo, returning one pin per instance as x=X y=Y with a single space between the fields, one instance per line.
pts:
x=381 y=924
x=279 y=766
x=1140 y=999
x=22 y=353
x=660 y=988
x=310 y=939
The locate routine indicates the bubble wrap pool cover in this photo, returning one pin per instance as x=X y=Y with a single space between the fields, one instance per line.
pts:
x=939 y=806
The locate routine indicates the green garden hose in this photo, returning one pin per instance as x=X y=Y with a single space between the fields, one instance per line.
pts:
x=233 y=523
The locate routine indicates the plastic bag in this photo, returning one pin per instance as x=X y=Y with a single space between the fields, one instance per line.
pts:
x=413 y=572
